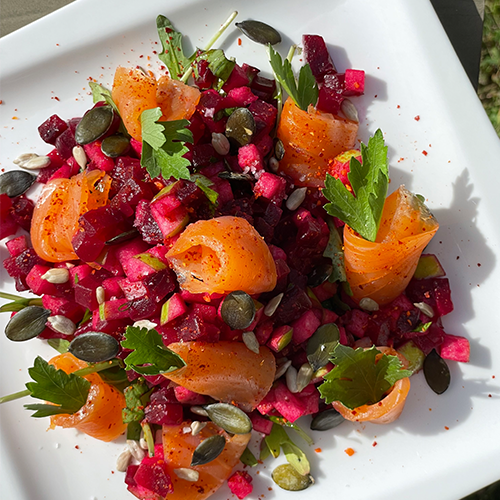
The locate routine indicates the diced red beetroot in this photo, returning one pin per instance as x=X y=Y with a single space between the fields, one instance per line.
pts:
x=329 y=101
x=172 y=308
x=17 y=246
x=293 y=304
x=130 y=194
x=114 y=309
x=112 y=288
x=358 y=323
x=455 y=348
x=132 y=289
x=239 y=97
x=264 y=330
x=305 y=326
x=240 y=484
x=212 y=171
x=328 y=317
x=259 y=313
x=19 y=267
x=433 y=338
x=165 y=204
x=145 y=223
x=250 y=159
x=317 y=56
x=110 y=261
x=205 y=311
x=210 y=103
x=160 y=284
x=289 y=405
x=260 y=424
x=271 y=187
x=264 y=144
x=136 y=146
x=8 y=226
x=85 y=294
x=204 y=78
x=354 y=82
x=161 y=413
x=56 y=162
x=63 y=172
x=325 y=291
x=280 y=338
x=442 y=294
x=266 y=406
x=134 y=269
x=264 y=88
x=265 y=118
x=143 y=308
x=37 y=284
x=113 y=327
x=63 y=307
x=343 y=336
x=223 y=188
x=187 y=397
x=22 y=211
x=80 y=272
x=172 y=222
x=192 y=327
x=277 y=252
x=52 y=128
x=309 y=398
x=241 y=76
x=153 y=475
x=65 y=143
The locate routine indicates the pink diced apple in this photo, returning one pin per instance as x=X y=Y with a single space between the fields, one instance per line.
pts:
x=271 y=187
x=305 y=326
x=354 y=82
x=455 y=348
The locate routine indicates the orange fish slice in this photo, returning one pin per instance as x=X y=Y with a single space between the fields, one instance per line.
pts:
x=382 y=269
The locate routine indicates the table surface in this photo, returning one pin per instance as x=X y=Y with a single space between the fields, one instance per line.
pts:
x=461 y=19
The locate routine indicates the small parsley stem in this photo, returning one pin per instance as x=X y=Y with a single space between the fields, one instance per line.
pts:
x=10 y=296
x=291 y=52
x=98 y=367
x=217 y=35
x=16 y=395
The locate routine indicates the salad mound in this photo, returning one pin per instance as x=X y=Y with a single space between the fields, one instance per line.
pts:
x=214 y=261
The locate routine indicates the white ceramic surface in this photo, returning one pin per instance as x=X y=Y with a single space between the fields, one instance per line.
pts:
x=442 y=447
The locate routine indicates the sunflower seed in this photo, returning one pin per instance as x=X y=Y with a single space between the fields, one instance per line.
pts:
x=135 y=449
x=229 y=417
x=282 y=369
x=250 y=340
x=27 y=323
x=37 y=162
x=24 y=158
x=296 y=198
x=368 y=304
x=186 y=430
x=187 y=474
x=198 y=410
x=80 y=156
x=208 y=450
x=100 y=295
x=304 y=376
x=15 y=183
x=287 y=478
x=273 y=304
x=197 y=426
x=259 y=32
x=143 y=444
x=220 y=143
x=291 y=379
x=56 y=275
x=62 y=324
x=123 y=460
x=349 y=110
x=425 y=308
x=145 y=323
x=94 y=347
x=274 y=164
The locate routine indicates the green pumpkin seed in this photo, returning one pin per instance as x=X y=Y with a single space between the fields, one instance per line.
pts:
x=320 y=274
x=321 y=344
x=238 y=310
x=94 y=124
x=94 y=347
x=241 y=126
x=279 y=150
x=229 y=417
x=437 y=373
x=287 y=478
x=16 y=182
x=208 y=450
x=259 y=32
x=234 y=176
x=327 y=419
x=27 y=323
x=115 y=145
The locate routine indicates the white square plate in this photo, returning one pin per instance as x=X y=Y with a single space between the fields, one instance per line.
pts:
x=442 y=447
